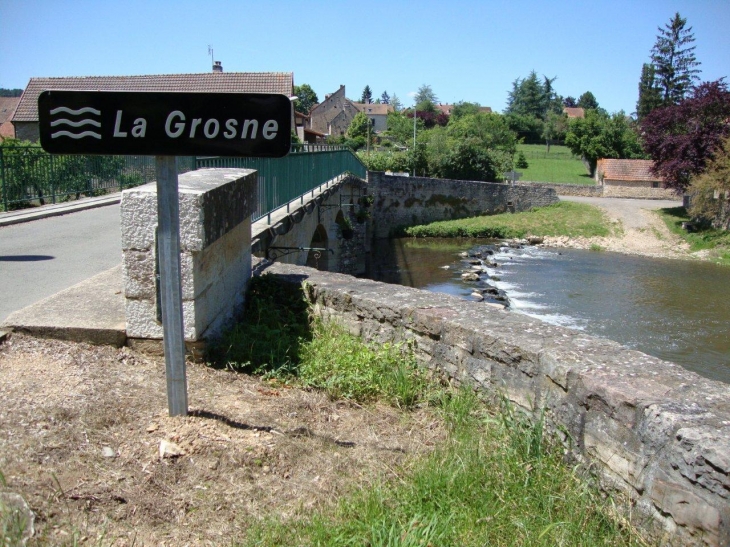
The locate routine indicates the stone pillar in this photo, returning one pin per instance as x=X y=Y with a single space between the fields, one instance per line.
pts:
x=215 y=251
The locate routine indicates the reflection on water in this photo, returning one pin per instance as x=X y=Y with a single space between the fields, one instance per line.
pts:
x=674 y=310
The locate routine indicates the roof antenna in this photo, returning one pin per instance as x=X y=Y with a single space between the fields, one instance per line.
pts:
x=210 y=52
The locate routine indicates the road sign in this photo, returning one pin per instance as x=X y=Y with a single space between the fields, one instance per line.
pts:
x=512 y=175
x=165 y=124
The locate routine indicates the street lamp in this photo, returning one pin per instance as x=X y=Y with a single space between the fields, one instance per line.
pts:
x=414 y=139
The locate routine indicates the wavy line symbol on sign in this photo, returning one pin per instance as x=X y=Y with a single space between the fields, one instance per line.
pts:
x=75 y=124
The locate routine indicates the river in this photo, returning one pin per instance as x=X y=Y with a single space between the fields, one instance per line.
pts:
x=675 y=310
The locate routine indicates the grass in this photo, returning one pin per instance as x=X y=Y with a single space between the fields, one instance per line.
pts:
x=558 y=166
x=715 y=241
x=561 y=219
x=496 y=479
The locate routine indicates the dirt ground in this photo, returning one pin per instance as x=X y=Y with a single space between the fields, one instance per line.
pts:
x=640 y=230
x=82 y=429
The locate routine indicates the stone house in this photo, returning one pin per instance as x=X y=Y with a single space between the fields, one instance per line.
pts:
x=7 y=109
x=630 y=178
x=333 y=115
x=25 y=119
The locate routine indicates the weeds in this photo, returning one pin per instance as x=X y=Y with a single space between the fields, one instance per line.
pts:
x=704 y=238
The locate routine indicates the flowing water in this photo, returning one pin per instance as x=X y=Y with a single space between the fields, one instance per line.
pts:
x=675 y=310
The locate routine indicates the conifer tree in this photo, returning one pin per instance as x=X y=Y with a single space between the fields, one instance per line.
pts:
x=674 y=61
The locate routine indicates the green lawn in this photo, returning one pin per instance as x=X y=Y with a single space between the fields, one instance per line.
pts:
x=561 y=219
x=704 y=238
x=558 y=166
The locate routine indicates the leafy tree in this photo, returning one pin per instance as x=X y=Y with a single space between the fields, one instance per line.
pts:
x=554 y=128
x=569 y=102
x=487 y=129
x=360 y=128
x=587 y=101
x=400 y=128
x=707 y=187
x=599 y=135
x=528 y=128
x=682 y=138
x=367 y=95
x=463 y=108
x=674 y=60
x=306 y=98
x=395 y=103
x=468 y=160
x=385 y=98
x=650 y=96
x=426 y=94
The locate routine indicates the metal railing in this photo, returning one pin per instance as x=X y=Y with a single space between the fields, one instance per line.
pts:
x=29 y=176
x=281 y=180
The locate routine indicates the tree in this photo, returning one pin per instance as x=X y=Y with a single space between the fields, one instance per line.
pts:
x=306 y=98
x=360 y=129
x=599 y=135
x=569 y=102
x=650 y=96
x=367 y=95
x=400 y=128
x=674 y=60
x=554 y=128
x=587 y=101
x=682 y=138
x=469 y=161
x=709 y=186
x=385 y=98
x=425 y=97
x=527 y=97
x=487 y=129
x=463 y=108
x=395 y=103
x=10 y=92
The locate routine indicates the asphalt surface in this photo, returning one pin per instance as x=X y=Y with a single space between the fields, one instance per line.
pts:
x=42 y=257
x=626 y=210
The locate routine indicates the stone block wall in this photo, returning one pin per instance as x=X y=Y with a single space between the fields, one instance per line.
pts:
x=592 y=191
x=652 y=430
x=407 y=201
x=215 y=251
x=637 y=192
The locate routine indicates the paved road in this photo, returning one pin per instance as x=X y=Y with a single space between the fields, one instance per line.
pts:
x=626 y=210
x=42 y=257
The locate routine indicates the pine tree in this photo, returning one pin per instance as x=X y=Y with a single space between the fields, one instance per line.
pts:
x=385 y=98
x=674 y=60
x=367 y=95
x=650 y=95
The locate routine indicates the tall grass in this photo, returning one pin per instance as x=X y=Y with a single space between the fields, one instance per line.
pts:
x=495 y=480
x=561 y=219
x=704 y=238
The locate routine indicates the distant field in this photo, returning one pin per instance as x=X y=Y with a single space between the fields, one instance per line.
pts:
x=559 y=166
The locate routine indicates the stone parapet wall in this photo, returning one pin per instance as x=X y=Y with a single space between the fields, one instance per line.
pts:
x=215 y=251
x=572 y=189
x=652 y=430
x=408 y=201
x=638 y=192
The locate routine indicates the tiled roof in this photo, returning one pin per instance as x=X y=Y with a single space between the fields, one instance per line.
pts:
x=7 y=107
x=574 y=112
x=211 y=82
x=627 y=170
x=374 y=108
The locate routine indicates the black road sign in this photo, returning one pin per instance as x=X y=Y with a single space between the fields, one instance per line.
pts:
x=165 y=124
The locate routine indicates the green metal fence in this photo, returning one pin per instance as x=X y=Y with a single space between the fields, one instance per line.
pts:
x=282 y=180
x=29 y=176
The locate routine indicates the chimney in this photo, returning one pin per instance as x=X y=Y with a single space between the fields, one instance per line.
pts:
x=217 y=67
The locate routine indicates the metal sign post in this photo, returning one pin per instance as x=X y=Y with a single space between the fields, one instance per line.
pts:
x=168 y=244
x=166 y=125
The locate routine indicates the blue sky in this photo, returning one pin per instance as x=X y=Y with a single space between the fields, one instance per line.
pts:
x=465 y=50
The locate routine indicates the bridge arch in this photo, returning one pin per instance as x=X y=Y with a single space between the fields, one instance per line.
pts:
x=319 y=259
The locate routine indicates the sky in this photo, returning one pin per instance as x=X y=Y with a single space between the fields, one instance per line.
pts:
x=465 y=50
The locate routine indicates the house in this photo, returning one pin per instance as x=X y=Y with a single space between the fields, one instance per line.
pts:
x=574 y=112
x=333 y=115
x=636 y=173
x=304 y=132
x=377 y=113
x=7 y=109
x=25 y=119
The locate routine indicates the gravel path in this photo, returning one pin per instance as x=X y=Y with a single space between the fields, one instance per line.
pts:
x=639 y=230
